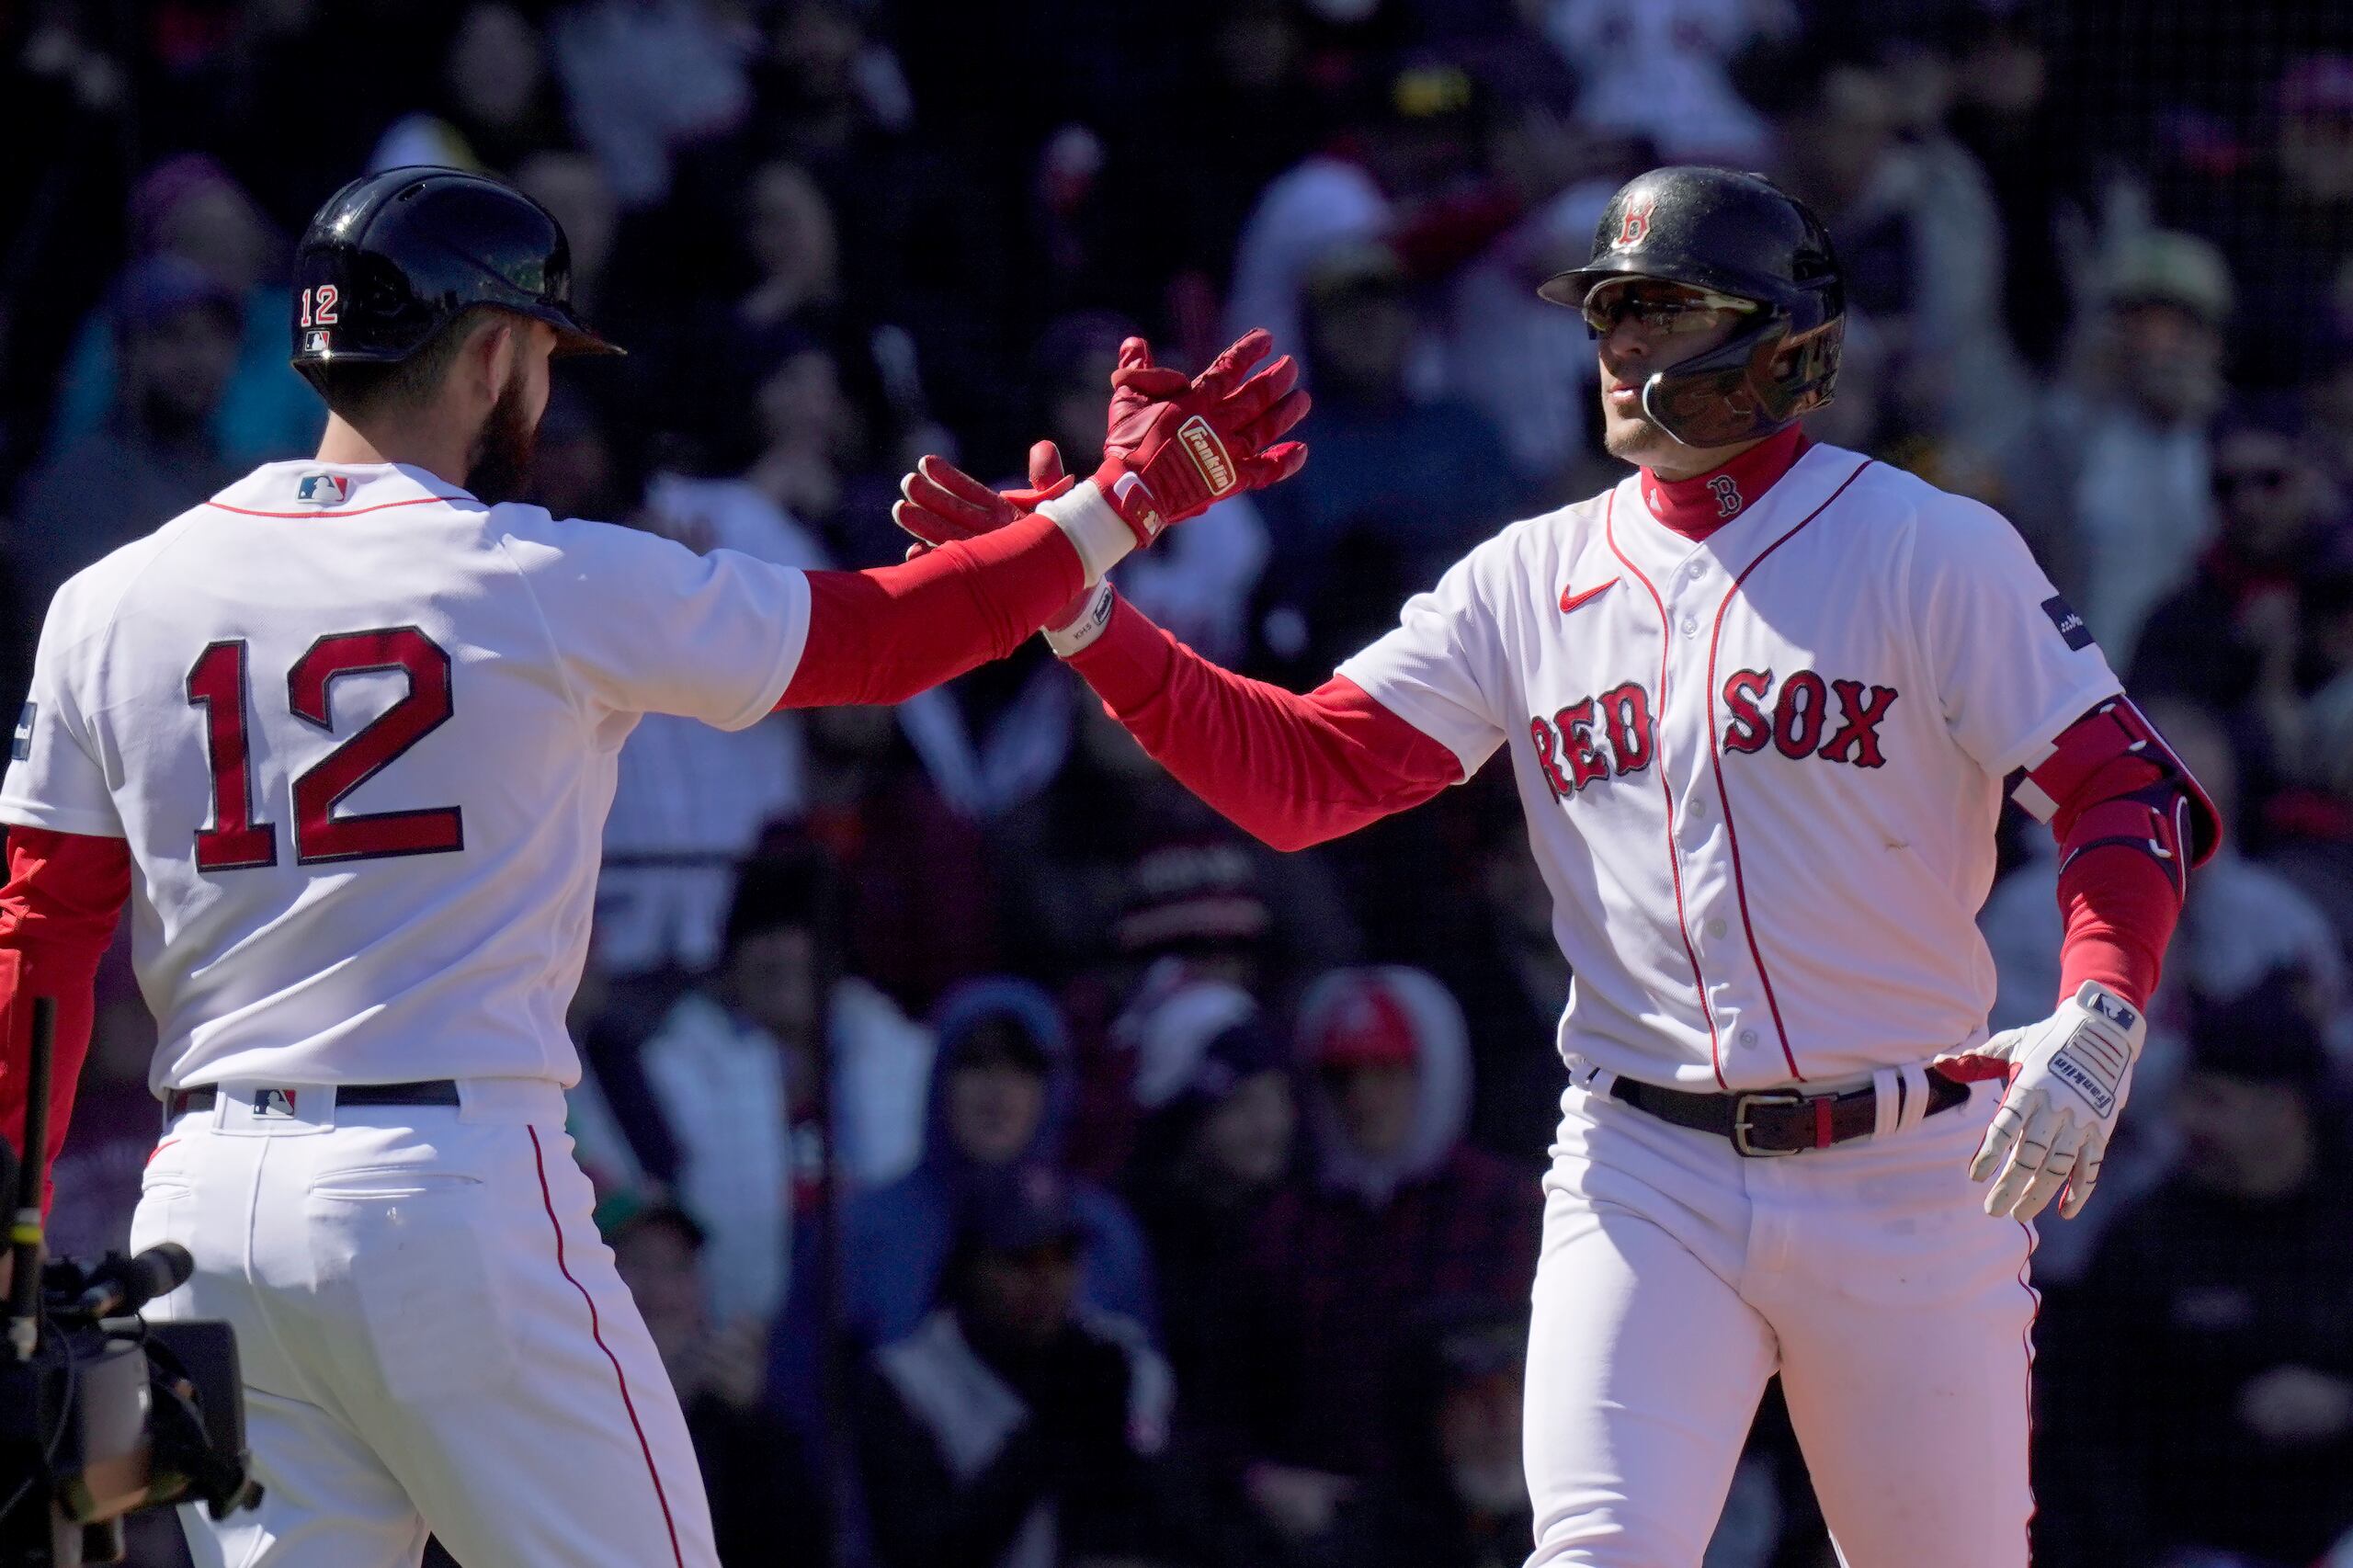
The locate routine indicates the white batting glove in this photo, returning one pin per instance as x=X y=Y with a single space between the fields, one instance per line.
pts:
x=2068 y=1077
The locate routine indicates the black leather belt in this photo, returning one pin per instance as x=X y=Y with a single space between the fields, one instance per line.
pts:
x=1769 y=1122
x=434 y=1091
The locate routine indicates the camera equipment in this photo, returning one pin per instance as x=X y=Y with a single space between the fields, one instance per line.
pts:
x=101 y=1414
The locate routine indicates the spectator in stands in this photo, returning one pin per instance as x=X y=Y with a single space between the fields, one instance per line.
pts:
x=645 y=78
x=1200 y=903
x=1000 y=1093
x=736 y=1068
x=2282 y=221
x=187 y=206
x=1507 y=968
x=2201 y=1387
x=751 y=1467
x=1400 y=1218
x=1405 y=172
x=2113 y=485
x=1658 y=69
x=158 y=451
x=2313 y=827
x=1215 y=1146
x=2008 y=114
x=1011 y=1426
x=828 y=90
x=691 y=801
x=923 y=902
x=2236 y=639
x=494 y=102
x=2237 y=621
x=1464 y=1502
x=1422 y=480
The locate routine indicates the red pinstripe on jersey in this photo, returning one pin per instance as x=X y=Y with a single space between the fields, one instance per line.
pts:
x=597 y=1333
x=1673 y=860
x=1716 y=762
x=340 y=511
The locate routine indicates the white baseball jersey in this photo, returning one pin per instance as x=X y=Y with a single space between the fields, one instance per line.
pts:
x=1762 y=771
x=360 y=731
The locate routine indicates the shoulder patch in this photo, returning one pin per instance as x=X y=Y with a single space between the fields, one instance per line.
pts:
x=2071 y=626
x=21 y=747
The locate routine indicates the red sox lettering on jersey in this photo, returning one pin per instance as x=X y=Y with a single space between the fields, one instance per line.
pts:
x=1792 y=718
x=1748 y=758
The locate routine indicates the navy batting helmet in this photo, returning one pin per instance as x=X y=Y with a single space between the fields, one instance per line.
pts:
x=394 y=258
x=1729 y=234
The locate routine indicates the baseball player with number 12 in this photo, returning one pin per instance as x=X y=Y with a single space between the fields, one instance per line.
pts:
x=346 y=735
x=1763 y=700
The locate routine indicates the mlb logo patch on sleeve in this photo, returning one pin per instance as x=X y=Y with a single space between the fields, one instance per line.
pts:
x=22 y=746
x=2071 y=625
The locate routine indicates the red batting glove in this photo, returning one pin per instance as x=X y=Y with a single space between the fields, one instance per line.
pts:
x=939 y=504
x=1176 y=447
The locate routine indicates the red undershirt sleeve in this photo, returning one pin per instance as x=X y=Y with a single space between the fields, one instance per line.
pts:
x=1291 y=770
x=2120 y=909
x=881 y=636
x=58 y=912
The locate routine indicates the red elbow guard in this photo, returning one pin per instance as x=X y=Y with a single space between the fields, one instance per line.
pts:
x=2111 y=779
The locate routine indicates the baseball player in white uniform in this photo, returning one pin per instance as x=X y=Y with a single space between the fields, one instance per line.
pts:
x=1763 y=700
x=345 y=736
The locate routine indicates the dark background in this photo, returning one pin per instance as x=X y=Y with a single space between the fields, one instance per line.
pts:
x=2097 y=256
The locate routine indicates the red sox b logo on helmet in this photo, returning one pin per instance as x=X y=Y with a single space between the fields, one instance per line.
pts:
x=1634 y=225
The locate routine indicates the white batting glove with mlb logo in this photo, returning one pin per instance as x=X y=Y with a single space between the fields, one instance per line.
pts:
x=2068 y=1077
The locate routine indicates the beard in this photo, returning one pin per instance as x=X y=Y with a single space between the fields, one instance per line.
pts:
x=1637 y=441
x=501 y=460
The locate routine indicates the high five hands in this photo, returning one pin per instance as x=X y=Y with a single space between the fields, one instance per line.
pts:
x=1175 y=446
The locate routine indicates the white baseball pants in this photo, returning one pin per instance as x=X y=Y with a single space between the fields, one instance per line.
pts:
x=1677 y=1277
x=433 y=1337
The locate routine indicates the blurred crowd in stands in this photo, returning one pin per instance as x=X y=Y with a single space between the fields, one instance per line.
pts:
x=1017 y=1168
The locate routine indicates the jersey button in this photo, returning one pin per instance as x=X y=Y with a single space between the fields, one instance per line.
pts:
x=1690 y=625
x=1749 y=1037
x=1717 y=929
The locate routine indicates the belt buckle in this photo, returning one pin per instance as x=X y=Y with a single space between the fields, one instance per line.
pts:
x=1740 y=1109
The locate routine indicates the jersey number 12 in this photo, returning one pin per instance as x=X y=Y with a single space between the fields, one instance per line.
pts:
x=237 y=839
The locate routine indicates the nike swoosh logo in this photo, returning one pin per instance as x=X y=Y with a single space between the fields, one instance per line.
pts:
x=1570 y=600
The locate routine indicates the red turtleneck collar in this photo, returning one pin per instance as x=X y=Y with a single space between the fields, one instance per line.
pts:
x=1697 y=506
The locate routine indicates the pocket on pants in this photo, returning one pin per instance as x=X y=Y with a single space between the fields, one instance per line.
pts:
x=409 y=1251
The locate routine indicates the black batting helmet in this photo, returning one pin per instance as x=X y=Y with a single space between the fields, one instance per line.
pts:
x=394 y=258
x=1730 y=233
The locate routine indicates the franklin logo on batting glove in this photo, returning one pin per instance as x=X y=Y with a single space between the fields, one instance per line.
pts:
x=2043 y=1140
x=1209 y=454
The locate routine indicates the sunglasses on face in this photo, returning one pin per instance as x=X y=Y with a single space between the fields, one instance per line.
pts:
x=1667 y=314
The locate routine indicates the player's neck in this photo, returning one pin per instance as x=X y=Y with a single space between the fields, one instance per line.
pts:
x=446 y=455
x=1695 y=504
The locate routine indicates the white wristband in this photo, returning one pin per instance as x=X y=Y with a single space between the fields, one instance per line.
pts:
x=1068 y=640
x=1100 y=535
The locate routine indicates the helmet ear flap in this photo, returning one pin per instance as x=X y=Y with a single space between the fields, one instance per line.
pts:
x=1761 y=381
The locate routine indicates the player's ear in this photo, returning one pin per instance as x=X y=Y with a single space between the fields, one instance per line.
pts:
x=498 y=353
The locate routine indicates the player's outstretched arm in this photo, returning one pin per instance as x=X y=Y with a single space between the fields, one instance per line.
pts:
x=1178 y=445
x=1291 y=769
x=64 y=893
